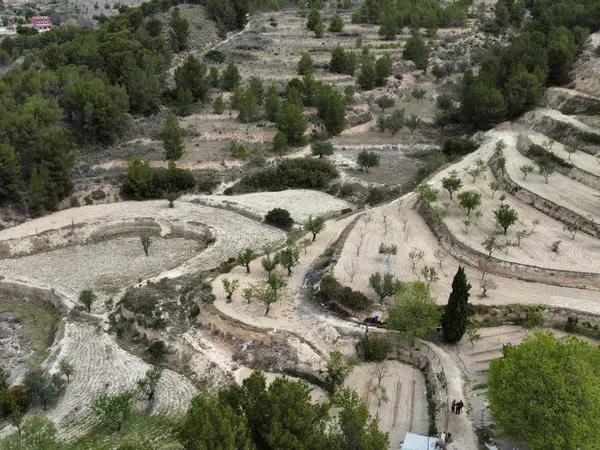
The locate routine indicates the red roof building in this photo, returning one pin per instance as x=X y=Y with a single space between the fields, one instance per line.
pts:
x=41 y=23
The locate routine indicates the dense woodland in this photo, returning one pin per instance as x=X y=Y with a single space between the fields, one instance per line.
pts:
x=76 y=88
x=542 y=53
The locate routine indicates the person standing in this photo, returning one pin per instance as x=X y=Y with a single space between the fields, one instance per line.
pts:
x=453 y=405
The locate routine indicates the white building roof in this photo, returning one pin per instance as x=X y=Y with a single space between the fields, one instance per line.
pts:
x=414 y=441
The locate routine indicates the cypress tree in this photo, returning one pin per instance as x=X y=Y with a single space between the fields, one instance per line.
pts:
x=454 y=321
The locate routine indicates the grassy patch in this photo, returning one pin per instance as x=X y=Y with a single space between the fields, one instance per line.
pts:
x=39 y=324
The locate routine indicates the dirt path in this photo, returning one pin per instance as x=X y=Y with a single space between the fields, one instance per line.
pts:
x=293 y=312
x=461 y=426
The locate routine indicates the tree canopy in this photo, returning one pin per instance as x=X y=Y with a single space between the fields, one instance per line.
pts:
x=541 y=53
x=414 y=312
x=545 y=393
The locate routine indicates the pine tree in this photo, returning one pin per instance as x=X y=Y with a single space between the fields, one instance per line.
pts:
x=417 y=51
x=10 y=172
x=36 y=194
x=368 y=73
x=180 y=31
x=272 y=103
x=305 y=65
x=291 y=121
x=171 y=139
x=454 y=321
x=219 y=105
x=230 y=78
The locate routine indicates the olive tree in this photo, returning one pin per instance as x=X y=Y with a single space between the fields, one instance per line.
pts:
x=288 y=257
x=245 y=258
x=469 y=200
x=427 y=194
x=146 y=240
x=230 y=286
x=66 y=368
x=526 y=169
x=413 y=122
x=545 y=167
x=452 y=183
x=147 y=385
x=43 y=388
x=269 y=264
x=367 y=159
x=87 y=298
x=505 y=216
x=113 y=411
x=315 y=226
x=385 y=285
x=337 y=370
x=267 y=293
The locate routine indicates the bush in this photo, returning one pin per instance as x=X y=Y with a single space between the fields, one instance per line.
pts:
x=215 y=56
x=458 y=146
x=206 y=181
x=375 y=196
x=299 y=173
x=144 y=301
x=332 y=291
x=534 y=317
x=347 y=189
x=144 y=182
x=279 y=218
x=374 y=349
x=157 y=350
x=571 y=324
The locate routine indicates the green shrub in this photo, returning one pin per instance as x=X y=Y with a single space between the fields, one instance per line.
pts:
x=332 y=291
x=207 y=180
x=215 y=56
x=534 y=317
x=144 y=182
x=299 y=173
x=571 y=324
x=280 y=218
x=375 y=196
x=374 y=349
x=458 y=146
x=157 y=350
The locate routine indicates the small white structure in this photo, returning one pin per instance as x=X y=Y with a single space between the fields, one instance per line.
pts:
x=414 y=441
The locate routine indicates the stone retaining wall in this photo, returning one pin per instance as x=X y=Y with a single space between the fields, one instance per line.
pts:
x=524 y=143
x=86 y=233
x=475 y=258
x=548 y=207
